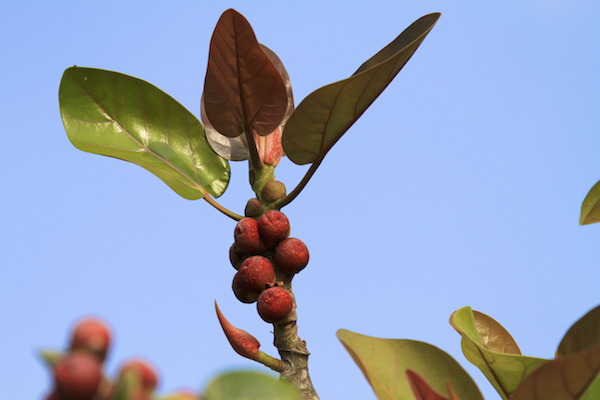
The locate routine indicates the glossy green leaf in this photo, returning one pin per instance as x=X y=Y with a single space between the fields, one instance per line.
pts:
x=120 y=116
x=590 y=209
x=384 y=363
x=488 y=345
x=583 y=335
x=249 y=385
x=327 y=113
x=566 y=378
x=242 y=87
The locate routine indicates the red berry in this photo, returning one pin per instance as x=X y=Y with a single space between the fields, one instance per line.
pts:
x=256 y=272
x=273 y=227
x=247 y=237
x=235 y=257
x=241 y=292
x=77 y=376
x=274 y=304
x=92 y=334
x=146 y=372
x=291 y=255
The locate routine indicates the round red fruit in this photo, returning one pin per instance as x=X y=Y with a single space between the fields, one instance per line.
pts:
x=257 y=273
x=92 y=334
x=77 y=376
x=274 y=304
x=291 y=255
x=273 y=227
x=240 y=291
x=247 y=237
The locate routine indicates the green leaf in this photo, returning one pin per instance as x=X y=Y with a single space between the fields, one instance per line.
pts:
x=590 y=209
x=327 y=113
x=384 y=363
x=488 y=345
x=243 y=88
x=249 y=385
x=120 y=116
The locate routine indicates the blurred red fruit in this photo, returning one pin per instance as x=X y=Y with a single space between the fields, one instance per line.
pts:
x=274 y=304
x=92 y=334
x=291 y=255
x=77 y=376
x=146 y=373
x=273 y=227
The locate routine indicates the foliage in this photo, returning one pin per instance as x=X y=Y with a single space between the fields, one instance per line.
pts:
x=248 y=113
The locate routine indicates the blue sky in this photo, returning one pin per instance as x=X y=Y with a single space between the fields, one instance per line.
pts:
x=461 y=185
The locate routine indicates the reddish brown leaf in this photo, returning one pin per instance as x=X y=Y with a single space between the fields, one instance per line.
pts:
x=583 y=335
x=423 y=391
x=243 y=89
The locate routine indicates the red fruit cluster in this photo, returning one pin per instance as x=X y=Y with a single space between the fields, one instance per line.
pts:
x=78 y=373
x=262 y=253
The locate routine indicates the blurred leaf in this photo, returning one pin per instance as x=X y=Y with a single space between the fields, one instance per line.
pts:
x=242 y=87
x=590 y=209
x=50 y=357
x=127 y=386
x=181 y=395
x=327 y=113
x=501 y=363
x=236 y=148
x=593 y=391
x=423 y=391
x=384 y=363
x=249 y=385
x=566 y=378
x=583 y=335
x=124 y=117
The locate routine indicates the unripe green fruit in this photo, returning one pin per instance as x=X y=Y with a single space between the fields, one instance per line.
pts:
x=291 y=255
x=273 y=227
x=247 y=237
x=273 y=191
x=274 y=304
x=253 y=208
x=77 y=376
x=91 y=334
x=256 y=273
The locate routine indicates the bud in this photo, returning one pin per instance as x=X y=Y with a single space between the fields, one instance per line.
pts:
x=269 y=147
x=242 y=342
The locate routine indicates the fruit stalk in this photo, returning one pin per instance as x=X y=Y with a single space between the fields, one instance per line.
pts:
x=293 y=352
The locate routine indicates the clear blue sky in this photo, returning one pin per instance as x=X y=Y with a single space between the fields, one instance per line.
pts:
x=461 y=185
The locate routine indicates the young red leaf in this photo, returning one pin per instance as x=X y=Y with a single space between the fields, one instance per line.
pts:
x=326 y=114
x=243 y=89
